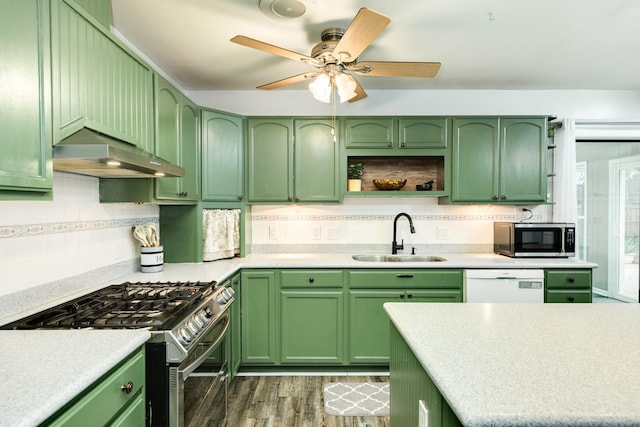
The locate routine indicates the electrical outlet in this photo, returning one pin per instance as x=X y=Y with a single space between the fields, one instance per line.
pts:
x=333 y=233
x=317 y=233
x=442 y=233
x=273 y=232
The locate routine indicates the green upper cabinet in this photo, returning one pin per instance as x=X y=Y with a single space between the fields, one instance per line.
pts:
x=423 y=132
x=222 y=159
x=499 y=160
x=370 y=132
x=391 y=133
x=281 y=171
x=97 y=82
x=270 y=160
x=25 y=163
x=316 y=168
x=177 y=136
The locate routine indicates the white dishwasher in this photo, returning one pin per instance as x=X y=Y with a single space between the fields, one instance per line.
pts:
x=510 y=286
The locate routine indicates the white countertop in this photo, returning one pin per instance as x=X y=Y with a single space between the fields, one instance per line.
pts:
x=43 y=369
x=219 y=270
x=529 y=364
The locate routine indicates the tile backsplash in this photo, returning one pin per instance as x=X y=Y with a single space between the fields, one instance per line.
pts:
x=366 y=224
x=42 y=242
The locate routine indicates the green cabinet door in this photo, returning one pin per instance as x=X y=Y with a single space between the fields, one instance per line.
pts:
x=258 y=301
x=523 y=156
x=311 y=326
x=423 y=132
x=189 y=150
x=25 y=163
x=369 y=323
x=167 y=107
x=316 y=172
x=370 y=132
x=475 y=159
x=177 y=140
x=222 y=159
x=270 y=160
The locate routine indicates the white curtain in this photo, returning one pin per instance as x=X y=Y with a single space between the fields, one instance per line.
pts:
x=220 y=233
x=565 y=198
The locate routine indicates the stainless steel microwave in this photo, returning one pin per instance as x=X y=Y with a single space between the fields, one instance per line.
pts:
x=534 y=240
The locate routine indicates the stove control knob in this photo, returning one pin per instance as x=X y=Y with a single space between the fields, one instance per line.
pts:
x=207 y=312
x=193 y=326
x=228 y=293
x=186 y=335
x=200 y=320
x=220 y=299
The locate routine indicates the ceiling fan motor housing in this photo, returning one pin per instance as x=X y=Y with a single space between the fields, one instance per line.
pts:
x=323 y=51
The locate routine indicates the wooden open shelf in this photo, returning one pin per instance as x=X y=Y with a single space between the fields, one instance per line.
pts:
x=416 y=170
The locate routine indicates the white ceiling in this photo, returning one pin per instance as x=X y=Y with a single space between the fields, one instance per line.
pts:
x=482 y=44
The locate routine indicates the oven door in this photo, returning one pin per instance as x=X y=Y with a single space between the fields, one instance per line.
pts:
x=197 y=380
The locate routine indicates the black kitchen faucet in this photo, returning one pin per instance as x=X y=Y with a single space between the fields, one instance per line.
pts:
x=394 y=245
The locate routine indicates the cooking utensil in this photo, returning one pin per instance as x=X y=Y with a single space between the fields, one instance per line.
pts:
x=140 y=236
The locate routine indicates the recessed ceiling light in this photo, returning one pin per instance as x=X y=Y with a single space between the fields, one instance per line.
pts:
x=287 y=9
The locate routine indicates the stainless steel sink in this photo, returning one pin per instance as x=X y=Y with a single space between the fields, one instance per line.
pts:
x=397 y=258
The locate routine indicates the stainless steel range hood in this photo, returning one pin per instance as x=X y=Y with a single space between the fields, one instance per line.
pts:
x=88 y=152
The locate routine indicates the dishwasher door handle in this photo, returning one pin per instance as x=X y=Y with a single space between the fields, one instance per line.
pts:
x=506 y=277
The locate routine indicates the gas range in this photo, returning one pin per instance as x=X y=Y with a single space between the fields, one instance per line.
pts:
x=188 y=322
x=174 y=312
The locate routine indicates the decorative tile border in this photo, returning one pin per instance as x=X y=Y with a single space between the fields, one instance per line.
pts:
x=436 y=217
x=30 y=230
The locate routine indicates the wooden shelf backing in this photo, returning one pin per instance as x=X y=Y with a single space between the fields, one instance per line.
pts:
x=416 y=170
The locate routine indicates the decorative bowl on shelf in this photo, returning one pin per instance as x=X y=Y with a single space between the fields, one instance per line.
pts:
x=389 y=184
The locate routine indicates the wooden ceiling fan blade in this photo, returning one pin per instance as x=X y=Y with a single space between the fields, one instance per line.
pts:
x=364 y=28
x=360 y=93
x=396 y=69
x=274 y=50
x=288 y=81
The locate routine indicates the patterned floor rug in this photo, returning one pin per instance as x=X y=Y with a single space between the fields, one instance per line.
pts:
x=357 y=399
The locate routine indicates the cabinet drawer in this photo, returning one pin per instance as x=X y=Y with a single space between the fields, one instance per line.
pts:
x=383 y=278
x=567 y=296
x=568 y=279
x=105 y=399
x=311 y=278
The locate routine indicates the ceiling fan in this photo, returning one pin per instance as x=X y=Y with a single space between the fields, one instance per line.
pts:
x=336 y=59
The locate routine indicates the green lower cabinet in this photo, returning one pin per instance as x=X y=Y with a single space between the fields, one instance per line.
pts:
x=369 y=323
x=258 y=301
x=568 y=286
x=104 y=403
x=409 y=385
x=311 y=326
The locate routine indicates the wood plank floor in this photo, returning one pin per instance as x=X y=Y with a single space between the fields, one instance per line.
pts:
x=282 y=401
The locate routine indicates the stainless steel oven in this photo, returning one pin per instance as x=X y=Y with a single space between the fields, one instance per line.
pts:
x=188 y=322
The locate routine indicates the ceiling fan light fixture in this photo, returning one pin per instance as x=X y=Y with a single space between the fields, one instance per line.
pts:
x=320 y=88
x=346 y=85
x=286 y=9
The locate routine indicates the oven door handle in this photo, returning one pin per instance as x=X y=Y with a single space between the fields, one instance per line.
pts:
x=183 y=373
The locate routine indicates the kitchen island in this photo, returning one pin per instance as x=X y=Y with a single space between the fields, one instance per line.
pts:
x=516 y=364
